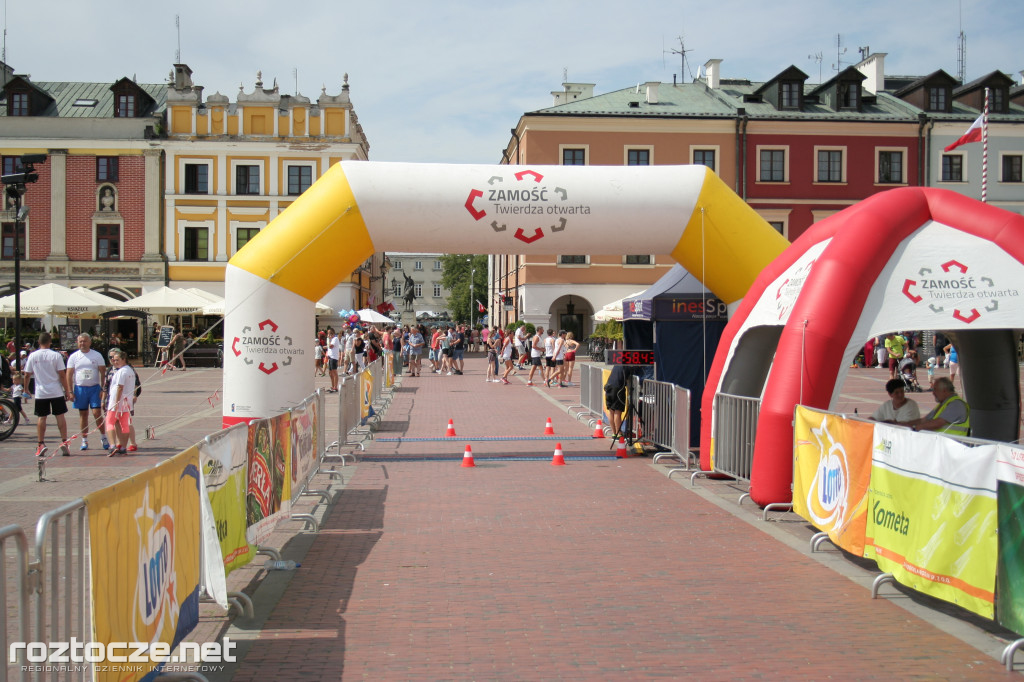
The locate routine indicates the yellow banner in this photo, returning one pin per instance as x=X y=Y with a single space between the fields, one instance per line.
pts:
x=365 y=396
x=144 y=552
x=932 y=516
x=831 y=472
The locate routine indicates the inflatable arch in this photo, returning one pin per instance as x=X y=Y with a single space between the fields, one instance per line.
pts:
x=360 y=207
x=912 y=258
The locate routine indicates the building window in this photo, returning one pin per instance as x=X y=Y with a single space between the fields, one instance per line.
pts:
x=773 y=165
x=125 y=106
x=197 y=246
x=573 y=157
x=418 y=265
x=243 y=235
x=396 y=264
x=197 y=178
x=936 y=99
x=890 y=167
x=12 y=164
x=8 y=241
x=396 y=289
x=1012 y=168
x=417 y=291
x=637 y=259
x=106 y=169
x=778 y=226
x=437 y=265
x=247 y=179
x=704 y=157
x=299 y=179
x=637 y=157
x=790 y=95
x=830 y=165
x=437 y=290
x=19 y=104
x=850 y=94
x=997 y=100
x=108 y=242
x=572 y=260
x=952 y=168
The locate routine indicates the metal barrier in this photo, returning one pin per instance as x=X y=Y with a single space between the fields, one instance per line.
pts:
x=18 y=607
x=663 y=409
x=735 y=430
x=591 y=406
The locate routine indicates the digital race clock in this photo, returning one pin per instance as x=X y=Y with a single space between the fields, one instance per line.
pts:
x=629 y=357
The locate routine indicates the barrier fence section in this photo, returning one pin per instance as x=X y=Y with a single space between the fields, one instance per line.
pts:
x=591 y=393
x=735 y=430
x=938 y=514
x=663 y=410
x=48 y=598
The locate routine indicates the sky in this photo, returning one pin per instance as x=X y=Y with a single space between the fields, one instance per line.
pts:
x=446 y=81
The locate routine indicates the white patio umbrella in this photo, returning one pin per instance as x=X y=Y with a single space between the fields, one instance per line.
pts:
x=217 y=308
x=101 y=299
x=57 y=300
x=613 y=311
x=373 y=317
x=167 y=301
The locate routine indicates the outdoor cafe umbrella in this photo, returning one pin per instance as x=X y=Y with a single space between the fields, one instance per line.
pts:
x=373 y=317
x=613 y=311
x=166 y=301
x=57 y=300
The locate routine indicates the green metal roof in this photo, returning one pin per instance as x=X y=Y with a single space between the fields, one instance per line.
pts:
x=65 y=94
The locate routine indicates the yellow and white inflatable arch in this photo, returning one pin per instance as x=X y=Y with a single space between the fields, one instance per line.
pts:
x=359 y=207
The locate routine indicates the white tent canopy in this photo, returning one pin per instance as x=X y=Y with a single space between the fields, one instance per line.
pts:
x=613 y=311
x=217 y=308
x=167 y=301
x=373 y=317
x=57 y=300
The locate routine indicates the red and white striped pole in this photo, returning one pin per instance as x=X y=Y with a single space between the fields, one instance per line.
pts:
x=984 y=151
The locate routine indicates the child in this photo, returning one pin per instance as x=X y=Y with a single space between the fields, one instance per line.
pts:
x=932 y=364
x=17 y=391
x=318 y=358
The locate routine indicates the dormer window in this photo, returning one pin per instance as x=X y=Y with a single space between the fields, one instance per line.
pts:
x=125 y=106
x=19 y=104
x=938 y=98
x=997 y=100
x=850 y=97
x=789 y=95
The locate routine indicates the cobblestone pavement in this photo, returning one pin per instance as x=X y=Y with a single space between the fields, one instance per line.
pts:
x=516 y=569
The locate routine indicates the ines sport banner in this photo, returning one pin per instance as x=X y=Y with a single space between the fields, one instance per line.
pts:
x=1010 y=572
x=932 y=515
x=831 y=472
x=144 y=552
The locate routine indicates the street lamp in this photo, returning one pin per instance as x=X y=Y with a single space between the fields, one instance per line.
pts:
x=472 y=271
x=15 y=183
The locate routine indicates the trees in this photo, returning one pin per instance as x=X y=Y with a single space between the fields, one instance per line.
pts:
x=456 y=271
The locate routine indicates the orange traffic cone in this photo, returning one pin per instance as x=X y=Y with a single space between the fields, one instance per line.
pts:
x=620 y=450
x=450 y=433
x=467 y=457
x=549 y=429
x=599 y=430
x=558 y=460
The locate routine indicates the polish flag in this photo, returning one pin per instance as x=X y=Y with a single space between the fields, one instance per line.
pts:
x=973 y=134
x=480 y=307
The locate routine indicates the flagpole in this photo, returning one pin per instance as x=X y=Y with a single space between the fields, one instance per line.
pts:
x=984 y=151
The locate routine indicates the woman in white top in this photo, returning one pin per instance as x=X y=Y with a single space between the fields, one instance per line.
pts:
x=120 y=401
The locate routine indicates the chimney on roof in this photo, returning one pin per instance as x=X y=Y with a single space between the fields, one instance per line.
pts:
x=1021 y=74
x=874 y=68
x=182 y=77
x=713 y=73
x=571 y=92
x=652 y=91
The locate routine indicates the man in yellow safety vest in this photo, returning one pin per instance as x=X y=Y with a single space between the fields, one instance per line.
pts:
x=952 y=414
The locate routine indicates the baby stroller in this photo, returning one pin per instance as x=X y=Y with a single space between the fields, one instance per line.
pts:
x=908 y=373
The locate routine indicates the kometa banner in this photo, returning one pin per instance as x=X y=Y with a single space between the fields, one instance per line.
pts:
x=225 y=472
x=831 y=473
x=268 y=493
x=1010 y=571
x=144 y=560
x=932 y=520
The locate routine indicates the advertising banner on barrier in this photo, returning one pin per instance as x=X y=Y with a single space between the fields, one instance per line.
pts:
x=1010 y=571
x=305 y=427
x=831 y=472
x=225 y=472
x=365 y=396
x=932 y=515
x=268 y=493
x=144 y=559
x=389 y=370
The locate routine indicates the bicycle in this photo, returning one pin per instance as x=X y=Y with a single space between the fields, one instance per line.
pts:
x=9 y=417
x=597 y=347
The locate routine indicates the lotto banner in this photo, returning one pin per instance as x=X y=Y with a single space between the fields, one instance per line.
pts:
x=1010 y=571
x=305 y=429
x=268 y=493
x=831 y=472
x=225 y=472
x=932 y=515
x=144 y=559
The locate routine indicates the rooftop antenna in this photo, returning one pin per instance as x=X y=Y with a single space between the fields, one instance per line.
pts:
x=865 y=52
x=818 y=57
x=840 y=51
x=961 y=48
x=682 y=59
x=295 y=75
x=3 y=51
x=565 y=74
x=177 y=26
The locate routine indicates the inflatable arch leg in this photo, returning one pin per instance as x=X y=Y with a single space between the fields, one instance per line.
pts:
x=887 y=264
x=358 y=208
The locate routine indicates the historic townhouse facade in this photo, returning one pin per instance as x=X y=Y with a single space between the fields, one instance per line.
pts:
x=796 y=151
